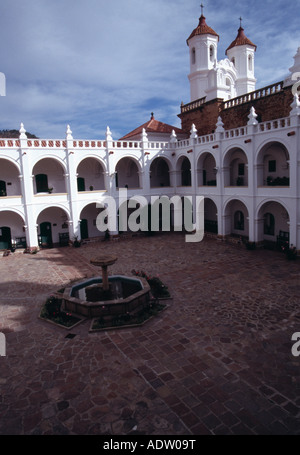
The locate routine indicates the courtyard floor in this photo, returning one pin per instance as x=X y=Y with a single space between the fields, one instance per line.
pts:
x=217 y=361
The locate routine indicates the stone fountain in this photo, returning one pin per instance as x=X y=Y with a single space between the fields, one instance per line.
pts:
x=106 y=296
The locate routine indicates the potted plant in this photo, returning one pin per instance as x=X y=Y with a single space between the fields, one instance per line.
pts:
x=50 y=190
x=91 y=188
x=76 y=242
x=250 y=245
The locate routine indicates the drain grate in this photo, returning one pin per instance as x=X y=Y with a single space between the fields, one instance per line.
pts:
x=70 y=335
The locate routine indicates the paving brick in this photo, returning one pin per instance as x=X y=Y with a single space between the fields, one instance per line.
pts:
x=210 y=357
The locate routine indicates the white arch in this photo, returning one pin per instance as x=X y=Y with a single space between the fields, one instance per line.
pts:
x=54 y=157
x=95 y=157
x=270 y=200
x=131 y=157
x=14 y=210
x=233 y=148
x=12 y=161
x=169 y=162
x=54 y=205
x=231 y=199
x=264 y=145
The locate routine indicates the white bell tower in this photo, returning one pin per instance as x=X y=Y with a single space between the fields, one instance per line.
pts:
x=203 y=47
x=241 y=53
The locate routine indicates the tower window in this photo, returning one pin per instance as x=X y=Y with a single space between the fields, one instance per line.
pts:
x=250 y=63
x=233 y=61
x=193 y=56
x=212 y=53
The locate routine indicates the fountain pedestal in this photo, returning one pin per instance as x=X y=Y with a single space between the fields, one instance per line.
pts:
x=104 y=262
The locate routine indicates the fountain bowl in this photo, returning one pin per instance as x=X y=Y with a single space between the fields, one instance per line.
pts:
x=126 y=295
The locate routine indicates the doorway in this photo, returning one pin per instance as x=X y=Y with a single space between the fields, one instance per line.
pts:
x=84 y=233
x=5 y=238
x=45 y=238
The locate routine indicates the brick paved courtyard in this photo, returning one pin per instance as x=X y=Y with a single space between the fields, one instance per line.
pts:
x=217 y=361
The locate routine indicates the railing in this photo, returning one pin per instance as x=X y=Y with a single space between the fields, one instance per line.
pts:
x=235 y=132
x=193 y=105
x=275 y=124
x=257 y=94
x=182 y=144
x=10 y=143
x=205 y=139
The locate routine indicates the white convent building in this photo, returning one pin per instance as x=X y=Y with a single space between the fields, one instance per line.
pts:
x=238 y=147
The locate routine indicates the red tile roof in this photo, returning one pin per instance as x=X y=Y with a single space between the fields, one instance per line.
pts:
x=202 y=29
x=153 y=126
x=240 y=40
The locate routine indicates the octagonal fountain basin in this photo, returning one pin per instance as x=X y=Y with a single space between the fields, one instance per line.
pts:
x=125 y=295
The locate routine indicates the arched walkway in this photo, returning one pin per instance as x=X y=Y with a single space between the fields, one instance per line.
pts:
x=273 y=165
x=206 y=170
x=273 y=224
x=48 y=176
x=235 y=168
x=12 y=231
x=159 y=173
x=127 y=174
x=9 y=179
x=53 y=227
x=236 y=219
x=90 y=175
x=210 y=216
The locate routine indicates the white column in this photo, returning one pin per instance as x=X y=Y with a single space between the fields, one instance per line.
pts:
x=71 y=176
x=27 y=191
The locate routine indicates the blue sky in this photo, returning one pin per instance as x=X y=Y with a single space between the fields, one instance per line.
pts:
x=96 y=63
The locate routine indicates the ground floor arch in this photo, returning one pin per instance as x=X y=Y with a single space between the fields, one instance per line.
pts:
x=12 y=230
x=210 y=216
x=273 y=224
x=236 y=219
x=88 y=222
x=52 y=227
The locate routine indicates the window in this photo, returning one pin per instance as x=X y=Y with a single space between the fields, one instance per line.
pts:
x=233 y=61
x=2 y=188
x=241 y=168
x=250 y=65
x=212 y=53
x=41 y=181
x=272 y=166
x=239 y=221
x=80 y=184
x=193 y=56
x=269 y=224
x=186 y=178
